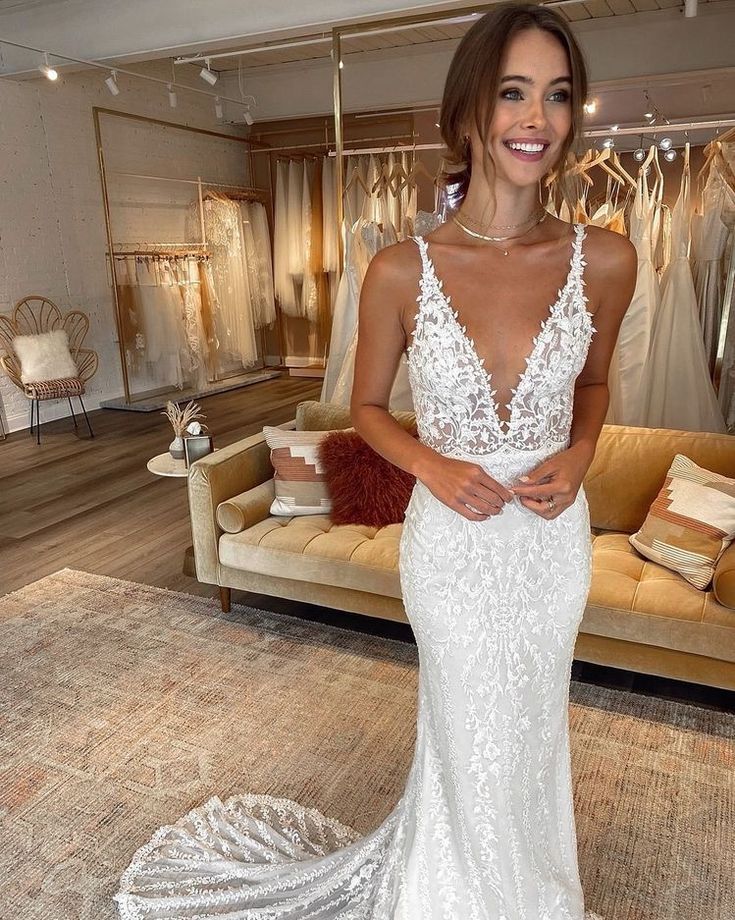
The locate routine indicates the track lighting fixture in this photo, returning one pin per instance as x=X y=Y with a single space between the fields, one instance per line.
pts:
x=218 y=111
x=670 y=155
x=207 y=74
x=590 y=107
x=47 y=70
x=172 y=96
x=111 y=84
x=639 y=155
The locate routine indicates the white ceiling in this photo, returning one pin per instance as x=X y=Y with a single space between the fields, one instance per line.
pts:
x=630 y=45
x=107 y=30
x=146 y=29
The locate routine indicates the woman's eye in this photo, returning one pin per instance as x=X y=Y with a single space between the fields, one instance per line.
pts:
x=562 y=92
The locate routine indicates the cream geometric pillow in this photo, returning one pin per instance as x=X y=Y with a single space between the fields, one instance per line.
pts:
x=44 y=356
x=299 y=481
x=690 y=523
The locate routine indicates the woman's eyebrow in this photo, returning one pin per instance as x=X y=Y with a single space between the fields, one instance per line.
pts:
x=521 y=79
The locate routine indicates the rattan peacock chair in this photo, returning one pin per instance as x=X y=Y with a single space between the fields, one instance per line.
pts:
x=34 y=315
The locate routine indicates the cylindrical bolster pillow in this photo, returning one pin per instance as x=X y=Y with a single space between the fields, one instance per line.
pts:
x=246 y=509
x=723 y=581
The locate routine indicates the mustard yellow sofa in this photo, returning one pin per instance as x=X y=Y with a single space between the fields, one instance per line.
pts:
x=639 y=616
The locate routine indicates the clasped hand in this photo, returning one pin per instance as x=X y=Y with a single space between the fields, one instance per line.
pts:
x=472 y=492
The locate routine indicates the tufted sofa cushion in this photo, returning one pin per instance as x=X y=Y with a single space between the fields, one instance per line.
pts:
x=312 y=548
x=634 y=599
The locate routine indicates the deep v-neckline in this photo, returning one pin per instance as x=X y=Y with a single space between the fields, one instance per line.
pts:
x=505 y=426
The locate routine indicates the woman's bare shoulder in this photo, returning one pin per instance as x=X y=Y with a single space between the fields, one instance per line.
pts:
x=397 y=265
x=612 y=269
x=607 y=251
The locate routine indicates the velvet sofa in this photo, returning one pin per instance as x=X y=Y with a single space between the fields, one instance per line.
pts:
x=639 y=616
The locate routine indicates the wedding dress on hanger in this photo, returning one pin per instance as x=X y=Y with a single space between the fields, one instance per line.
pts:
x=285 y=288
x=295 y=191
x=161 y=323
x=676 y=381
x=309 y=303
x=223 y=228
x=627 y=400
x=348 y=294
x=257 y=243
x=485 y=828
x=710 y=231
x=369 y=236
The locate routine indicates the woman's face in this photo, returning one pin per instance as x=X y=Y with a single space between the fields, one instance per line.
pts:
x=534 y=105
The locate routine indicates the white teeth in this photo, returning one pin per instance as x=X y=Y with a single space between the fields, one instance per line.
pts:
x=527 y=148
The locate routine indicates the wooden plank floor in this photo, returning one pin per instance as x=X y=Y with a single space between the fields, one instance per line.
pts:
x=91 y=504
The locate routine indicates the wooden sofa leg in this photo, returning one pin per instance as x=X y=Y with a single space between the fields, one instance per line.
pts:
x=224 y=599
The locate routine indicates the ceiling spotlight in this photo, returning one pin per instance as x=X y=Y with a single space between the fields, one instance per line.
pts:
x=218 y=108
x=670 y=155
x=590 y=107
x=648 y=114
x=172 y=96
x=207 y=74
x=111 y=84
x=47 y=70
x=614 y=127
x=639 y=155
x=608 y=142
x=248 y=116
x=665 y=143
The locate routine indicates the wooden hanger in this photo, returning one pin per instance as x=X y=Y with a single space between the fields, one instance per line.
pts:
x=357 y=178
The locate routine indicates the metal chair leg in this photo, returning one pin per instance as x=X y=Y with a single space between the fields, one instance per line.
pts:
x=30 y=430
x=76 y=427
x=38 y=422
x=86 y=417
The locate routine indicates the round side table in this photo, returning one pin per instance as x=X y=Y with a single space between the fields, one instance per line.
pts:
x=165 y=465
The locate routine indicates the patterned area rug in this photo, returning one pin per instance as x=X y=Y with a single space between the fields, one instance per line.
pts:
x=124 y=706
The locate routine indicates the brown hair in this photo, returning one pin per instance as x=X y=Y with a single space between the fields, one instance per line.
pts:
x=471 y=88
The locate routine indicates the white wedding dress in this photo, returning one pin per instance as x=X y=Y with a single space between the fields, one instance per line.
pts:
x=485 y=828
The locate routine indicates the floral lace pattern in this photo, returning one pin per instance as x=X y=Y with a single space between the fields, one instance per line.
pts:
x=485 y=828
x=455 y=403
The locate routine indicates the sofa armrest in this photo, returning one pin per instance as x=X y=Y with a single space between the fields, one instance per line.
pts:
x=723 y=581
x=246 y=509
x=214 y=479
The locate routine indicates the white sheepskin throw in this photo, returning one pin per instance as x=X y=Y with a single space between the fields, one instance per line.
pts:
x=45 y=356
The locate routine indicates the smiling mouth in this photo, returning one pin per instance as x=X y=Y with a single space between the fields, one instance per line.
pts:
x=544 y=148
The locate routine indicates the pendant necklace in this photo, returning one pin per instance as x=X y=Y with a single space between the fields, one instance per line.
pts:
x=497 y=239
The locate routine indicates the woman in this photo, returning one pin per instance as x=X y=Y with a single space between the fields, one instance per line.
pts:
x=510 y=396
x=495 y=549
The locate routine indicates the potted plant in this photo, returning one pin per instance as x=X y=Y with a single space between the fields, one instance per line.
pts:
x=180 y=420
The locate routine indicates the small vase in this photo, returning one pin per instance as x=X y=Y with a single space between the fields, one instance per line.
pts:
x=176 y=448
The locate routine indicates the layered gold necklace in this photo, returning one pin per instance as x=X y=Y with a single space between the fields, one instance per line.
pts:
x=462 y=223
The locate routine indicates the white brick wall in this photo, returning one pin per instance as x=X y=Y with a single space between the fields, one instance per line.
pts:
x=52 y=231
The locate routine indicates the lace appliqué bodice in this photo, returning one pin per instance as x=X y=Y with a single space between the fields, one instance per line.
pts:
x=456 y=410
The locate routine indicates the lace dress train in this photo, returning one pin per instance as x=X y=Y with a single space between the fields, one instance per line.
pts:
x=485 y=828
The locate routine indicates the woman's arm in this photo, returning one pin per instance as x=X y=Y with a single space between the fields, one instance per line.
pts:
x=391 y=283
x=380 y=343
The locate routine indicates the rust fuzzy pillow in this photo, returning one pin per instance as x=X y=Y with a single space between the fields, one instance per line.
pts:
x=365 y=488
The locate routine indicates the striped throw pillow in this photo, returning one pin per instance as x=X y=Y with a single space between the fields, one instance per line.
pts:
x=298 y=480
x=690 y=523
